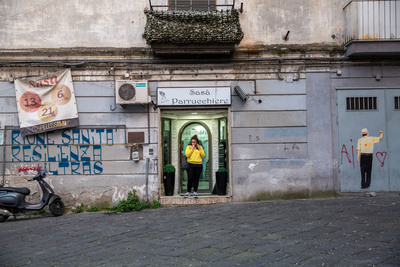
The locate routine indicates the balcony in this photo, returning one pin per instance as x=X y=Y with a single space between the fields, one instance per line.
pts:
x=192 y=27
x=372 y=28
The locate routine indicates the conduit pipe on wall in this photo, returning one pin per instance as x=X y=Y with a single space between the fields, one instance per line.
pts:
x=147 y=180
x=4 y=155
x=4 y=150
x=147 y=159
x=166 y=61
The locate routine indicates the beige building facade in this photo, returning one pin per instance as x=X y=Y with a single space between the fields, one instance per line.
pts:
x=277 y=134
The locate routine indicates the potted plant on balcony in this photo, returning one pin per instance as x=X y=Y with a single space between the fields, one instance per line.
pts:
x=221 y=181
x=169 y=179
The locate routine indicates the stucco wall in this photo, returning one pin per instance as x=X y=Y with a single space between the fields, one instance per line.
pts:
x=86 y=165
x=120 y=23
x=269 y=140
x=309 y=21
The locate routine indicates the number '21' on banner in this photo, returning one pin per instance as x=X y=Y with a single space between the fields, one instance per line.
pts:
x=46 y=103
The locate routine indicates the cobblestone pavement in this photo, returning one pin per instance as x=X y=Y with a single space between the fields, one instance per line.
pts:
x=346 y=231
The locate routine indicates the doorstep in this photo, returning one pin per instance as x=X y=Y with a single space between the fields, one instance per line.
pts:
x=201 y=200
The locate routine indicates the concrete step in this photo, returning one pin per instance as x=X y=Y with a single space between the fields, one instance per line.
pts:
x=201 y=200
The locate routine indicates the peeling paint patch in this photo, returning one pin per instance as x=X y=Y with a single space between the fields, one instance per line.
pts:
x=286 y=163
x=285 y=132
x=252 y=166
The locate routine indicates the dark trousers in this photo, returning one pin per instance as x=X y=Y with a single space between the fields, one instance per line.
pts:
x=366 y=168
x=194 y=172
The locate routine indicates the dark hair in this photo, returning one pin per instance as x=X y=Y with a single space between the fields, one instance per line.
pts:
x=194 y=137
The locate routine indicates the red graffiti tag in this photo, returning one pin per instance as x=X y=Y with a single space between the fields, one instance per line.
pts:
x=30 y=168
x=381 y=156
x=344 y=151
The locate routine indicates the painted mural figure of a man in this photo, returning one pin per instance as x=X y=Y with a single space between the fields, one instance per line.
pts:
x=365 y=150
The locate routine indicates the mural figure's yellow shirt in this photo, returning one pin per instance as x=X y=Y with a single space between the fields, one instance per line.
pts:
x=366 y=144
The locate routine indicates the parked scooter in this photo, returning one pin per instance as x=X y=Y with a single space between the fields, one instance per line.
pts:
x=12 y=199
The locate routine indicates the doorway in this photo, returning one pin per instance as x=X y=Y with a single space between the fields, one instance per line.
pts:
x=203 y=133
x=375 y=109
x=210 y=125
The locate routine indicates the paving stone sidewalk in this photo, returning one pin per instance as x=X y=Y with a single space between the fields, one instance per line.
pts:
x=346 y=231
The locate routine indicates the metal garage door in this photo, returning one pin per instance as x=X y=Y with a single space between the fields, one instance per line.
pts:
x=374 y=109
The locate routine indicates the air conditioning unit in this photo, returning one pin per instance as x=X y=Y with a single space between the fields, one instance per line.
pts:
x=131 y=92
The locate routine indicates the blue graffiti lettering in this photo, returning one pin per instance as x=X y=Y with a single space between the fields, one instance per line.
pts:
x=100 y=131
x=49 y=157
x=109 y=136
x=66 y=139
x=97 y=167
x=75 y=167
x=14 y=153
x=26 y=157
x=84 y=150
x=86 y=167
x=97 y=152
x=76 y=136
x=71 y=152
x=63 y=165
x=55 y=172
x=85 y=139
x=14 y=136
x=62 y=153
x=40 y=140
x=28 y=139
x=74 y=156
x=36 y=156
x=48 y=140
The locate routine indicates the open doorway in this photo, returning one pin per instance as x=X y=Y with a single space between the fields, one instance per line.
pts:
x=178 y=126
x=203 y=133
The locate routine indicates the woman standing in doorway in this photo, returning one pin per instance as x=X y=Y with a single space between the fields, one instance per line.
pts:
x=194 y=154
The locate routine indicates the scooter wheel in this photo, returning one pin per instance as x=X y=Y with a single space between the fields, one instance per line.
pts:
x=3 y=218
x=56 y=208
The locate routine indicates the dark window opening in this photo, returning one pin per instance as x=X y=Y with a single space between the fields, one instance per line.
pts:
x=362 y=103
x=397 y=103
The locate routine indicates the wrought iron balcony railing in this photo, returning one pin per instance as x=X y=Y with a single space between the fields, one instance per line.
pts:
x=191 y=5
x=372 y=20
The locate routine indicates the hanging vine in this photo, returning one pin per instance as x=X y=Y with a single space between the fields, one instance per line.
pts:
x=193 y=27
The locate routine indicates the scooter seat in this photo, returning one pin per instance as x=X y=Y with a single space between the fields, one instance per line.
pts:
x=21 y=190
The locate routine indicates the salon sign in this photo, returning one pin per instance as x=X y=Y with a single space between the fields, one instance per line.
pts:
x=193 y=96
x=46 y=103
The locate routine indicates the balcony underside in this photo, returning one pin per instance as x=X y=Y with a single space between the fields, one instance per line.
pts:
x=373 y=48
x=171 y=49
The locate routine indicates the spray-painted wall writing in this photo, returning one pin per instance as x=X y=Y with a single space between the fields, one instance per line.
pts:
x=73 y=152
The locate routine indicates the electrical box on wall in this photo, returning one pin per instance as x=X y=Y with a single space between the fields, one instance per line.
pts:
x=131 y=92
x=136 y=152
x=135 y=155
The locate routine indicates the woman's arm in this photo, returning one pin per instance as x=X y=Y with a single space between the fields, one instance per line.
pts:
x=189 y=151
x=202 y=154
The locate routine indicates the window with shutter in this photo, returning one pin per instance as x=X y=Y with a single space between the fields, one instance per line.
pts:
x=195 y=5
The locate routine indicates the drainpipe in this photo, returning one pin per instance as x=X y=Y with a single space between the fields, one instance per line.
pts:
x=4 y=156
x=147 y=159
x=147 y=180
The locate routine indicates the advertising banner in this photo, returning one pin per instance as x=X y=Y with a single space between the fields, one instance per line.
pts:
x=46 y=103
